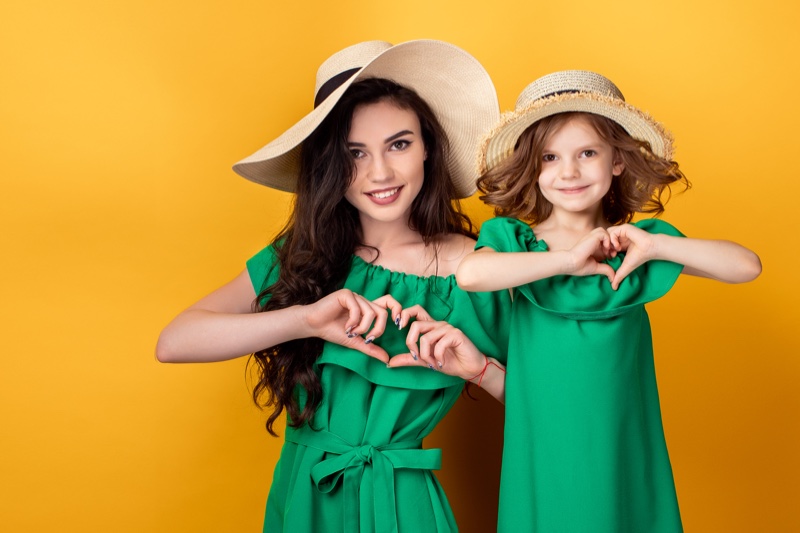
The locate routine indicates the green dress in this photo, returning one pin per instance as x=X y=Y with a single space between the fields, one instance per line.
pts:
x=584 y=447
x=365 y=469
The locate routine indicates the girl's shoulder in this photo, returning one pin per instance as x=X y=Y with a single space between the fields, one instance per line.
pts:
x=504 y=234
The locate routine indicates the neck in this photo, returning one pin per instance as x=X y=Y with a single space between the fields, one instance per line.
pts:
x=386 y=235
x=577 y=222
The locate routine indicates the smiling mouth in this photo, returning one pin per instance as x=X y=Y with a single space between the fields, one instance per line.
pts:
x=388 y=193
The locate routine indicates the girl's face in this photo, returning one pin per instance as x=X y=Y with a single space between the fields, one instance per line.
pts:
x=389 y=154
x=577 y=168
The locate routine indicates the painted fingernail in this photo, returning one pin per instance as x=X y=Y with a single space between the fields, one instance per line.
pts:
x=439 y=363
x=413 y=356
x=397 y=322
x=369 y=339
x=348 y=330
x=431 y=367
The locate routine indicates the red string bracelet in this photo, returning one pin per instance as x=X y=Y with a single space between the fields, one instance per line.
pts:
x=483 y=372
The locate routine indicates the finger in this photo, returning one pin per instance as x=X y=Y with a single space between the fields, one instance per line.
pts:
x=427 y=346
x=416 y=312
x=379 y=322
x=606 y=270
x=404 y=359
x=622 y=272
x=349 y=301
x=367 y=317
x=418 y=328
x=372 y=350
x=388 y=302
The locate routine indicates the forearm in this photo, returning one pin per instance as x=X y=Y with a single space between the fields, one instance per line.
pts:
x=717 y=259
x=487 y=270
x=200 y=335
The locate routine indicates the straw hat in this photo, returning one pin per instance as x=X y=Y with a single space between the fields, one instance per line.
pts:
x=566 y=91
x=452 y=82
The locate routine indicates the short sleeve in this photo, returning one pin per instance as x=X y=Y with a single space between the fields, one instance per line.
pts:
x=504 y=234
x=263 y=269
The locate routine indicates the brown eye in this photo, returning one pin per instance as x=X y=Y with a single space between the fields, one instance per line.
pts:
x=400 y=145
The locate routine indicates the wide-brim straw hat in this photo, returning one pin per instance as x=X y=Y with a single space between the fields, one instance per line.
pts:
x=570 y=91
x=452 y=82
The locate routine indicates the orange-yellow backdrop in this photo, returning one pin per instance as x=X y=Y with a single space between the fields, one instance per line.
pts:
x=118 y=125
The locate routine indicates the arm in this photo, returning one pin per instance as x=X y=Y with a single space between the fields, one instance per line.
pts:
x=488 y=270
x=223 y=326
x=716 y=259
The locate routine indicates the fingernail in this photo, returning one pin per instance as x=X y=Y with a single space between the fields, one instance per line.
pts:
x=347 y=331
x=397 y=322
x=431 y=367
x=369 y=339
x=351 y=335
x=439 y=363
x=413 y=356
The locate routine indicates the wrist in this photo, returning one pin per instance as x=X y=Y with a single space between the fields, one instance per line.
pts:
x=490 y=366
x=300 y=317
x=566 y=262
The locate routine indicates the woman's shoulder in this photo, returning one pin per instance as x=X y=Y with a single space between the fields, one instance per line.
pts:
x=453 y=248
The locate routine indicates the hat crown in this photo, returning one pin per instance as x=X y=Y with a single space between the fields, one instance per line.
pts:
x=568 y=81
x=352 y=57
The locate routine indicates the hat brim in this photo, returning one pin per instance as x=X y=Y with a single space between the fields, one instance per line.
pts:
x=499 y=143
x=453 y=83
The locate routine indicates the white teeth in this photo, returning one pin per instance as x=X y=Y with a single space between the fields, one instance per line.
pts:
x=385 y=194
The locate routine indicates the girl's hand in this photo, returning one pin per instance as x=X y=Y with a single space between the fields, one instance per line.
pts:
x=441 y=347
x=639 y=247
x=351 y=320
x=588 y=255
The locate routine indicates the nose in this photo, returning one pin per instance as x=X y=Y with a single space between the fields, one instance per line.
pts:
x=379 y=169
x=569 y=168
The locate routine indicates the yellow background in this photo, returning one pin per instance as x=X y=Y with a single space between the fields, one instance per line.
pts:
x=119 y=122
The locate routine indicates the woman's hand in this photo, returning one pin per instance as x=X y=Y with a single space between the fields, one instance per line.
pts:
x=442 y=347
x=349 y=319
x=445 y=348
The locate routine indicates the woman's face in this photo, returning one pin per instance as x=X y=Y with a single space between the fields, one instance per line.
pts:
x=389 y=154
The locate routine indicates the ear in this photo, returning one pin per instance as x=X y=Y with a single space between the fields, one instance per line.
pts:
x=617 y=167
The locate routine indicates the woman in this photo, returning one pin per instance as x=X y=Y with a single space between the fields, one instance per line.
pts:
x=374 y=236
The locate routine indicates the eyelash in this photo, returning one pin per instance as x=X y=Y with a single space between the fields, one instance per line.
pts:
x=403 y=144
x=399 y=145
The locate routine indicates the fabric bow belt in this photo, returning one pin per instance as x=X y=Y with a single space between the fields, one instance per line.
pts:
x=350 y=461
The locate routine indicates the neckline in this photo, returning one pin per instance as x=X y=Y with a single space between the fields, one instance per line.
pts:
x=379 y=268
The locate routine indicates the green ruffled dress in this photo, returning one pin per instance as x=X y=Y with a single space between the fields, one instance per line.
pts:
x=365 y=469
x=584 y=447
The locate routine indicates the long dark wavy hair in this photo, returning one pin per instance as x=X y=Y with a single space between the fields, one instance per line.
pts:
x=512 y=187
x=315 y=249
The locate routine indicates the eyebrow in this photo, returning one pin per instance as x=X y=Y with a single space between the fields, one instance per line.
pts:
x=386 y=140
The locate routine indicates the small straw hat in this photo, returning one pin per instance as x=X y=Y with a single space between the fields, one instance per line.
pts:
x=569 y=91
x=456 y=87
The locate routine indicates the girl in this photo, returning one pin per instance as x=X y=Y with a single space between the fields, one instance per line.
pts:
x=375 y=168
x=584 y=446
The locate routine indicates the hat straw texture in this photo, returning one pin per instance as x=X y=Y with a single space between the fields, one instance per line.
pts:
x=564 y=92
